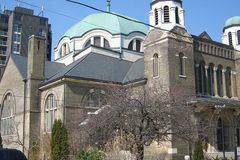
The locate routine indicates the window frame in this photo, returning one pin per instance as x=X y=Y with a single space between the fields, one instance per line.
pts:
x=50 y=112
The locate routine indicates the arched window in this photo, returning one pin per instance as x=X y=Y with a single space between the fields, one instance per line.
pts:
x=219 y=81
x=106 y=44
x=223 y=134
x=211 y=79
x=50 y=112
x=156 y=16
x=97 y=41
x=8 y=112
x=177 y=15
x=135 y=45
x=230 y=38
x=182 y=64
x=202 y=78
x=130 y=46
x=95 y=98
x=155 y=65
x=166 y=14
x=65 y=49
x=238 y=36
x=228 y=82
x=87 y=44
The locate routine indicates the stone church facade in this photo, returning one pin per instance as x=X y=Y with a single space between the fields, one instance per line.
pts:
x=107 y=49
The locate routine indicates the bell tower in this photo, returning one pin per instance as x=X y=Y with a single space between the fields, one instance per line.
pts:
x=166 y=14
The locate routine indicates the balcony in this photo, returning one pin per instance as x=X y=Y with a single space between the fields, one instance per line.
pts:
x=3 y=43
x=3 y=33
x=3 y=52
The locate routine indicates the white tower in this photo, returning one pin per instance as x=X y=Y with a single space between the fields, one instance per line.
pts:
x=231 y=32
x=166 y=14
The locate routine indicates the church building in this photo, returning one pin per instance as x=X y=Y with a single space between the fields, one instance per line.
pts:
x=105 y=48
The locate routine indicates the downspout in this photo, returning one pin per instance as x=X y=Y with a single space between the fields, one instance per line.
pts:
x=121 y=43
x=24 y=111
x=64 y=104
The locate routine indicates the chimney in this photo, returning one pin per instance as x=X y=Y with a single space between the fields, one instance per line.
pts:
x=36 y=58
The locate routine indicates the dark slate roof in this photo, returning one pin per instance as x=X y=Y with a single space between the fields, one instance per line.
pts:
x=103 y=68
x=51 y=68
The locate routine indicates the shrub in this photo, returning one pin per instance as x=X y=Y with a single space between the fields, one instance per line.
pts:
x=90 y=155
x=198 y=151
x=59 y=138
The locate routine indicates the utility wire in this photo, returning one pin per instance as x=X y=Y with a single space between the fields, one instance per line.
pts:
x=124 y=17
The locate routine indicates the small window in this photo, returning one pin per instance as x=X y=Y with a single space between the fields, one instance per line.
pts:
x=155 y=65
x=156 y=16
x=17 y=28
x=97 y=41
x=230 y=38
x=181 y=64
x=138 y=45
x=130 y=46
x=177 y=15
x=106 y=43
x=166 y=14
x=238 y=36
x=17 y=38
x=43 y=21
x=88 y=44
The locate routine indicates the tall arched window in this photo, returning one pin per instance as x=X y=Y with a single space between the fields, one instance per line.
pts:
x=228 y=82
x=166 y=14
x=210 y=80
x=181 y=64
x=223 y=139
x=156 y=16
x=230 y=38
x=238 y=36
x=50 y=112
x=177 y=15
x=8 y=112
x=155 y=65
x=219 y=81
x=202 y=78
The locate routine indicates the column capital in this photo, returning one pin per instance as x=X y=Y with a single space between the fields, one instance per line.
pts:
x=215 y=69
x=206 y=67
x=223 y=70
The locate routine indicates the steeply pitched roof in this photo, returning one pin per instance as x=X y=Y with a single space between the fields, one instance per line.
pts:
x=51 y=68
x=99 y=67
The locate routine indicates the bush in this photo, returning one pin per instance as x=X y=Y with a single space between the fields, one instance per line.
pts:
x=198 y=151
x=90 y=155
x=59 y=138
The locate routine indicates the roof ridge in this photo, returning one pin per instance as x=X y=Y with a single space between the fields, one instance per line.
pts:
x=130 y=69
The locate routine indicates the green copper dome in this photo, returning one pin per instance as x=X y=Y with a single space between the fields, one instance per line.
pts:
x=233 y=21
x=105 y=21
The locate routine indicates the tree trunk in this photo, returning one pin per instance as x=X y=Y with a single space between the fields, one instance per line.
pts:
x=139 y=151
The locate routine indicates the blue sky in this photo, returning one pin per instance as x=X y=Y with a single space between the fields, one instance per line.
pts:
x=200 y=15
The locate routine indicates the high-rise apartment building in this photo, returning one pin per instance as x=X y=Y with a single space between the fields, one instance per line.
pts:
x=16 y=27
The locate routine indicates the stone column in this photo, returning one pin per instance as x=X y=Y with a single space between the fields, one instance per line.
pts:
x=197 y=78
x=215 y=81
x=102 y=42
x=232 y=84
x=207 y=86
x=134 y=44
x=160 y=16
x=224 y=83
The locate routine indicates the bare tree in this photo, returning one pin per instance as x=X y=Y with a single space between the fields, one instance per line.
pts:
x=140 y=116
